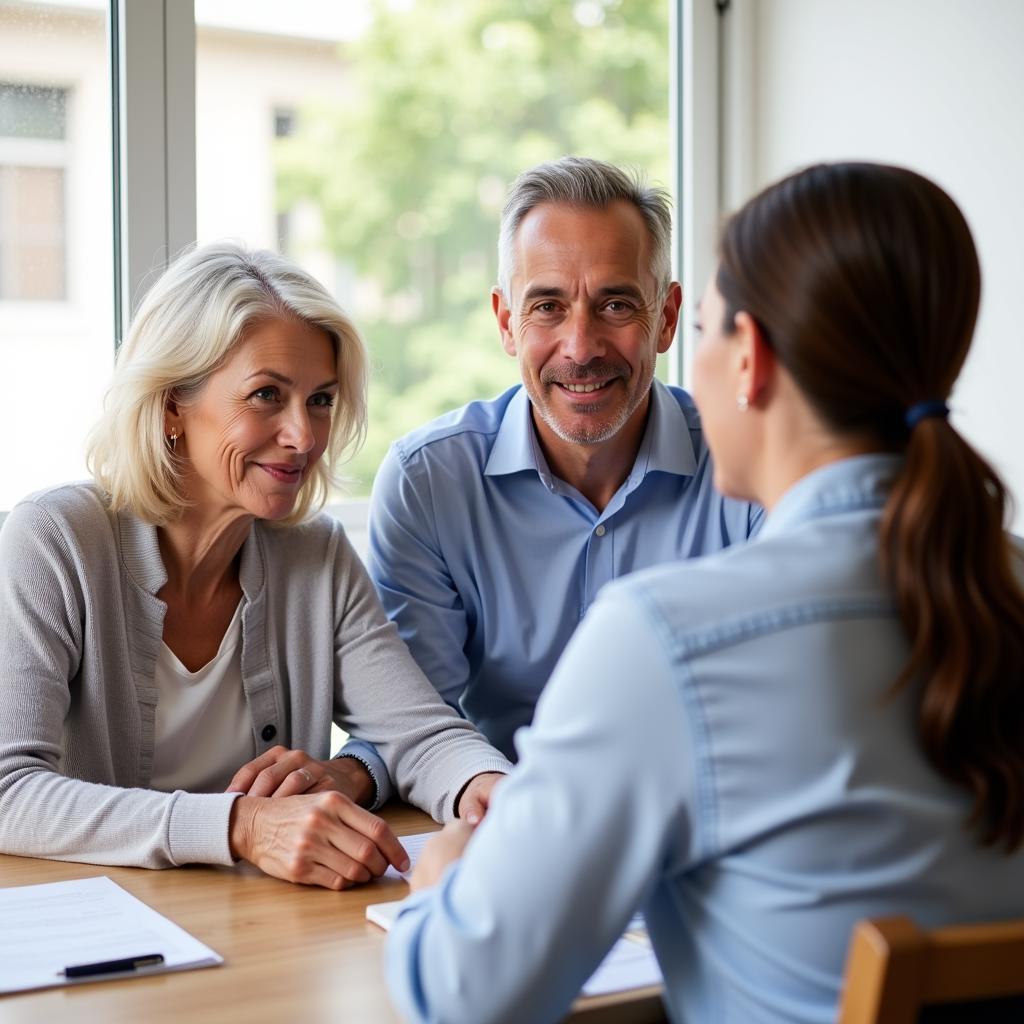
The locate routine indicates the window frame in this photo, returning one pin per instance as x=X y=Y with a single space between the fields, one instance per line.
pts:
x=696 y=52
x=151 y=48
x=152 y=51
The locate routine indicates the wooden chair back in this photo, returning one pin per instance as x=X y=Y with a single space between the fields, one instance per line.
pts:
x=897 y=973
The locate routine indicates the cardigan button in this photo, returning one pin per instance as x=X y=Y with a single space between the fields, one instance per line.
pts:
x=269 y=732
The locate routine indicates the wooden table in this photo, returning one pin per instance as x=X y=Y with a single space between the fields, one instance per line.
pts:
x=291 y=952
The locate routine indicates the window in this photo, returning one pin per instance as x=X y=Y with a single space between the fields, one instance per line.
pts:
x=284 y=123
x=284 y=126
x=372 y=141
x=56 y=250
x=33 y=156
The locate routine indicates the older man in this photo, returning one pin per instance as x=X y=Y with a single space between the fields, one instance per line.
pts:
x=493 y=528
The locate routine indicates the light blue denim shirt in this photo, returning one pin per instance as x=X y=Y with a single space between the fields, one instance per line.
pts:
x=718 y=748
x=487 y=561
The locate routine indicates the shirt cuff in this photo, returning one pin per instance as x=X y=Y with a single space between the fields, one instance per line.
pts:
x=381 y=791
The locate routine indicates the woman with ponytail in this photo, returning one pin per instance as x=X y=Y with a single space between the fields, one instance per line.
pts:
x=759 y=748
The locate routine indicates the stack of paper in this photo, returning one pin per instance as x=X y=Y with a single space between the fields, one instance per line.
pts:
x=47 y=928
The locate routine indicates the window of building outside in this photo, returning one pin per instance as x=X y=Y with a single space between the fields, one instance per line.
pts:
x=373 y=143
x=33 y=156
x=56 y=282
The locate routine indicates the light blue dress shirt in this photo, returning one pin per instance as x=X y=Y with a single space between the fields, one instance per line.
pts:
x=718 y=748
x=487 y=561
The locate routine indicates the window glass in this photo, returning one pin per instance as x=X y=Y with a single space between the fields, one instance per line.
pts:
x=376 y=151
x=56 y=277
x=32 y=111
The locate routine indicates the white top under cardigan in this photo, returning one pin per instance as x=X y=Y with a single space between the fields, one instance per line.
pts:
x=203 y=731
x=80 y=627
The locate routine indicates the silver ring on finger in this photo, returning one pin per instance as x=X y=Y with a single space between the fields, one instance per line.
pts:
x=305 y=773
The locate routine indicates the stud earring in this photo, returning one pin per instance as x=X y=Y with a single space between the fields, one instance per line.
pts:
x=174 y=438
x=742 y=403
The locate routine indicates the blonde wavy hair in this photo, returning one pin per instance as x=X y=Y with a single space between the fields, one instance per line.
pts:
x=188 y=323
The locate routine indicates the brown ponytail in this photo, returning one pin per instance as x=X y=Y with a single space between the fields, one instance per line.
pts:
x=947 y=559
x=865 y=281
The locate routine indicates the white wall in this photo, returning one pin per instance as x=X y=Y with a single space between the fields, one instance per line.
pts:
x=937 y=85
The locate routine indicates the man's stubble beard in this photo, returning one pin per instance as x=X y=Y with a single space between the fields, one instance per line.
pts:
x=599 y=432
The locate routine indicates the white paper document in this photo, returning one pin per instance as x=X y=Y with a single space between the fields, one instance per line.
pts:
x=46 y=928
x=630 y=963
x=383 y=914
x=413 y=846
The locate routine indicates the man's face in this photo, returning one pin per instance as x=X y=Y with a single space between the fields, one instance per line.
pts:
x=584 y=319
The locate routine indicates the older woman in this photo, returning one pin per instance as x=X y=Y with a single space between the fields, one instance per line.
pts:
x=761 y=747
x=182 y=626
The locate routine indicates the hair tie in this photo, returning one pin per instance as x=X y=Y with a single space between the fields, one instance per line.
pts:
x=935 y=408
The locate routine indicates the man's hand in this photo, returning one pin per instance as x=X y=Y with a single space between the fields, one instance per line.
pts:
x=283 y=772
x=441 y=849
x=322 y=839
x=475 y=798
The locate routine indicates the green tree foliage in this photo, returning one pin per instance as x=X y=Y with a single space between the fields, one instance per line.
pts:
x=448 y=101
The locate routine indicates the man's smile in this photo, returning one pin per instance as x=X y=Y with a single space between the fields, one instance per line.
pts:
x=587 y=388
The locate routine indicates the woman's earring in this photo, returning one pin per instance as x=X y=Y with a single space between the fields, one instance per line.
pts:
x=742 y=403
x=174 y=438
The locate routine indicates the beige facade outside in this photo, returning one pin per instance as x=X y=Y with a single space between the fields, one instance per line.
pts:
x=57 y=353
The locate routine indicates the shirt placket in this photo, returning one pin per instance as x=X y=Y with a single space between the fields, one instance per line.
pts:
x=600 y=561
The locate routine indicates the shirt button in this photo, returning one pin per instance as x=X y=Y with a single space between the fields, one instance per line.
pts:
x=269 y=732
x=600 y=531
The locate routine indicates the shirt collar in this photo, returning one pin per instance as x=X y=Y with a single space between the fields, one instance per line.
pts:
x=515 y=448
x=666 y=446
x=668 y=431
x=859 y=482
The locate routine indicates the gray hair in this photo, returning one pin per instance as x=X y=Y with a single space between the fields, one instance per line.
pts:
x=186 y=326
x=582 y=181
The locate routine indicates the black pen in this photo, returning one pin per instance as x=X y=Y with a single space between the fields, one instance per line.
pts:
x=129 y=963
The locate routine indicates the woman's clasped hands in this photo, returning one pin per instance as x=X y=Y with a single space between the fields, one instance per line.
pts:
x=284 y=772
x=319 y=835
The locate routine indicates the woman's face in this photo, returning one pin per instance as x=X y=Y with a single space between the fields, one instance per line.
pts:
x=261 y=421
x=716 y=387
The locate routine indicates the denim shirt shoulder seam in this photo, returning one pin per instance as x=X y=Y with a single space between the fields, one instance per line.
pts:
x=708 y=639
x=838 y=504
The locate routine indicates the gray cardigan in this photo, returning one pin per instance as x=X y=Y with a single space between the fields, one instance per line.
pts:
x=80 y=627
